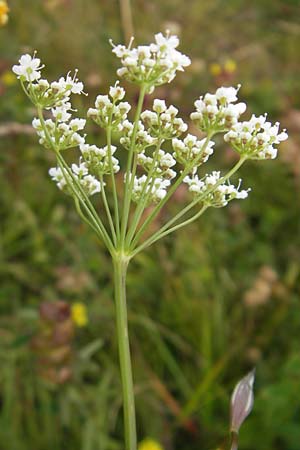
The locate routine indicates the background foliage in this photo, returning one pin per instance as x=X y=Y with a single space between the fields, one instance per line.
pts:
x=207 y=304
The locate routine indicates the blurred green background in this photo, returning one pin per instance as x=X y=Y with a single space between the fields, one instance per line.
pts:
x=206 y=304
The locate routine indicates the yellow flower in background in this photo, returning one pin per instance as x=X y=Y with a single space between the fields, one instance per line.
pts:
x=4 y=9
x=8 y=78
x=215 y=69
x=230 y=66
x=79 y=314
x=149 y=444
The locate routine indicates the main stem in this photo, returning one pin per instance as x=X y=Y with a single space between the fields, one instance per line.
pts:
x=120 y=263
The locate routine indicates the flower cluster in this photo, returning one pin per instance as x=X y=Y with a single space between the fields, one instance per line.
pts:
x=154 y=127
x=61 y=133
x=159 y=173
x=256 y=138
x=143 y=138
x=153 y=64
x=212 y=191
x=109 y=111
x=100 y=161
x=155 y=188
x=151 y=169
x=80 y=173
x=41 y=92
x=162 y=122
x=218 y=112
x=160 y=163
x=192 y=152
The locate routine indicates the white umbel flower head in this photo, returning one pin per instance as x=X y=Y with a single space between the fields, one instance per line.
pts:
x=256 y=138
x=218 y=112
x=153 y=65
x=64 y=180
x=212 y=191
x=156 y=188
x=163 y=122
x=191 y=151
x=100 y=160
x=110 y=111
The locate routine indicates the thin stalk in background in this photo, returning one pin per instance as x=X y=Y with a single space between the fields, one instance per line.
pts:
x=126 y=19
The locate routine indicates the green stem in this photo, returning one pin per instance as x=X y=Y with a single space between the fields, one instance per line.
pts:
x=120 y=263
x=75 y=186
x=106 y=206
x=160 y=234
x=84 y=218
x=113 y=181
x=129 y=182
x=81 y=195
x=156 y=210
x=144 y=196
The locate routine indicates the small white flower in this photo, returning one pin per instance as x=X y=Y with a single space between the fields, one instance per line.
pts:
x=116 y=92
x=36 y=123
x=28 y=69
x=167 y=42
x=61 y=112
x=44 y=83
x=227 y=94
x=87 y=149
x=90 y=184
x=159 y=106
x=58 y=177
x=68 y=85
x=77 y=139
x=92 y=113
x=102 y=101
x=77 y=124
x=74 y=85
x=119 y=50
x=122 y=109
x=166 y=160
x=80 y=170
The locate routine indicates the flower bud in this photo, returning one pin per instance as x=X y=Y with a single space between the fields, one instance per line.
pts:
x=242 y=401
